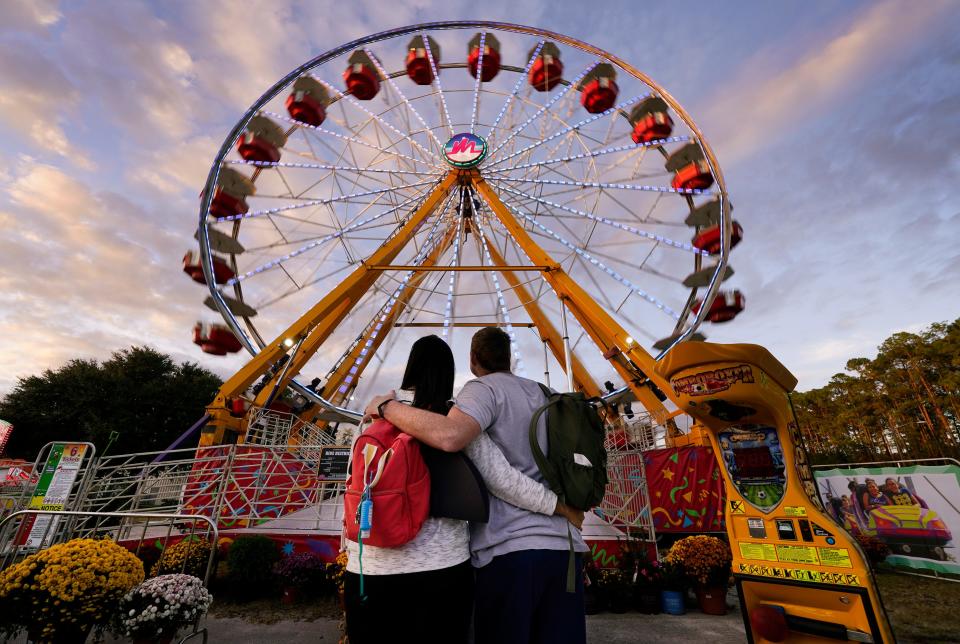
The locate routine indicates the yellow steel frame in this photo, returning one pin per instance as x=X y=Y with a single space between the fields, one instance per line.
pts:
x=634 y=365
x=331 y=390
x=548 y=333
x=316 y=325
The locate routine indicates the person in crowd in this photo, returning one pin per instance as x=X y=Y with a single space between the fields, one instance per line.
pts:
x=872 y=497
x=897 y=494
x=423 y=591
x=520 y=557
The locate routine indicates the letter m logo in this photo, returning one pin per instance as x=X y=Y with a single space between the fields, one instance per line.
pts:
x=463 y=145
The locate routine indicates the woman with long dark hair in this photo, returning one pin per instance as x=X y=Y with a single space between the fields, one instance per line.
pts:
x=422 y=591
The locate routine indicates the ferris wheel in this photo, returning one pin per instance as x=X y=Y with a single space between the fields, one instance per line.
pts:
x=451 y=175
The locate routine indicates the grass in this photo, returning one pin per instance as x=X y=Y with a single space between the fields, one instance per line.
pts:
x=921 y=610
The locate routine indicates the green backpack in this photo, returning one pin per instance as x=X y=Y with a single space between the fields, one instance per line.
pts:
x=575 y=465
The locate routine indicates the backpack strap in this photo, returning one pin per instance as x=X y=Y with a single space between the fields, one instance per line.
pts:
x=549 y=473
x=546 y=468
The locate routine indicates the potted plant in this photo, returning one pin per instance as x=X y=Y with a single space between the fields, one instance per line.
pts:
x=617 y=585
x=673 y=587
x=299 y=572
x=250 y=564
x=706 y=561
x=647 y=587
x=877 y=551
x=335 y=571
x=189 y=556
x=157 y=609
x=594 y=599
x=61 y=593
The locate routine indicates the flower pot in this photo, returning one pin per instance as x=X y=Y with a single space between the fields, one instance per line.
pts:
x=594 y=600
x=712 y=600
x=672 y=602
x=646 y=599
x=65 y=634
x=289 y=595
x=620 y=601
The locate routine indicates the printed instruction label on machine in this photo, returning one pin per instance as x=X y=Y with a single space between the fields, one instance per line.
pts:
x=759 y=551
x=798 y=554
x=837 y=557
x=795 y=511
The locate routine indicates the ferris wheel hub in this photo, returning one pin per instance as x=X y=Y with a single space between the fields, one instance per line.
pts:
x=465 y=150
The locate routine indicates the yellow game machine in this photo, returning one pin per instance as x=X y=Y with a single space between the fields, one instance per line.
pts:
x=800 y=577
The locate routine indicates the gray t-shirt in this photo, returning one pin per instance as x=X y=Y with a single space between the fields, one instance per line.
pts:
x=503 y=405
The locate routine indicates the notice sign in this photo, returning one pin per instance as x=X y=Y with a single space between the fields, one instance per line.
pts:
x=53 y=489
x=334 y=462
x=839 y=557
x=759 y=551
x=798 y=554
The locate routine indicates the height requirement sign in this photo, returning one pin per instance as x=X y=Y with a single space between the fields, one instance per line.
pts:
x=53 y=488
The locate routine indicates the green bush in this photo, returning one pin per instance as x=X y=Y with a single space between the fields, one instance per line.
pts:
x=250 y=563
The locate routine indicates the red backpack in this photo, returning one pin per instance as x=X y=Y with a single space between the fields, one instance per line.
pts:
x=399 y=486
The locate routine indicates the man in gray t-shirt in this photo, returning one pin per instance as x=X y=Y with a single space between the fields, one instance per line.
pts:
x=521 y=557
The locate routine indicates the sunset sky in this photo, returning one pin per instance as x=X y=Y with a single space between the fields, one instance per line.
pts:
x=837 y=125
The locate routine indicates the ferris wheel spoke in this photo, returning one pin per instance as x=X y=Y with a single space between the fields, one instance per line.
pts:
x=355 y=103
x=448 y=309
x=589 y=155
x=616 y=109
x=556 y=97
x=436 y=81
x=254 y=250
x=320 y=202
x=642 y=266
x=476 y=86
x=598 y=289
x=610 y=222
x=260 y=306
x=516 y=88
x=322 y=166
x=314 y=244
x=618 y=186
x=354 y=139
x=496 y=284
x=396 y=88
x=598 y=264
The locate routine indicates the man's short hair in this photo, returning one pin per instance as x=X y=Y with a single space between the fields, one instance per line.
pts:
x=490 y=349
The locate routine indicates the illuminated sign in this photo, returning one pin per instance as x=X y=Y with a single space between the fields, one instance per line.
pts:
x=465 y=150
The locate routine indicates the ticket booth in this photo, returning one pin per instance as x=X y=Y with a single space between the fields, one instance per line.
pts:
x=800 y=578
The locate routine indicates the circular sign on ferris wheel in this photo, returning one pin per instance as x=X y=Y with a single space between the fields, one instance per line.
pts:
x=465 y=150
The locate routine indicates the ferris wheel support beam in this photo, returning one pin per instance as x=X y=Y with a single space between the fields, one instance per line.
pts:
x=634 y=365
x=315 y=326
x=356 y=361
x=548 y=333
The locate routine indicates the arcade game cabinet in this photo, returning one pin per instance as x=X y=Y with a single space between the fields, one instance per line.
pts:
x=800 y=578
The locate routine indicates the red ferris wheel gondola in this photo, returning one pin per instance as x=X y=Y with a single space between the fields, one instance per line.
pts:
x=726 y=306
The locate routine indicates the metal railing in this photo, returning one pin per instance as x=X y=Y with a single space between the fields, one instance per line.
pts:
x=131 y=529
x=237 y=486
x=276 y=428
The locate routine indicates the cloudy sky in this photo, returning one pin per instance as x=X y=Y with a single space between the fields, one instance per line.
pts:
x=837 y=126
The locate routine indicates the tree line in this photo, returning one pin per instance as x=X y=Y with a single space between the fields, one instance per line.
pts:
x=139 y=400
x=903 y=404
